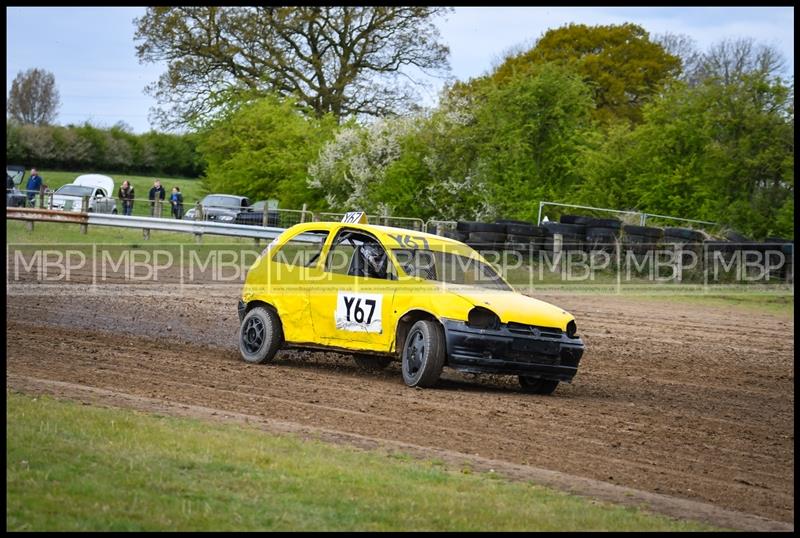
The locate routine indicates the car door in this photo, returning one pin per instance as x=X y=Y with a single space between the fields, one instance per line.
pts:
x=351 y=293
x=101 y=201
x=284 y=281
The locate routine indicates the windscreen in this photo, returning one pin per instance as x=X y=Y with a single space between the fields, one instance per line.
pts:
x=222 y=201
x=75 y=190
x=449 y=268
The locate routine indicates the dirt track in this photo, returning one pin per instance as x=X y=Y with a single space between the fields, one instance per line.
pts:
x=692 y=402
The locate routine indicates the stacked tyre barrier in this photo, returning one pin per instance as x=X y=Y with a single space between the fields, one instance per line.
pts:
x=598 y=234
x=482 y=236
x=641 y=239
x=688 y=241
x=572 y=236
x=523 y=237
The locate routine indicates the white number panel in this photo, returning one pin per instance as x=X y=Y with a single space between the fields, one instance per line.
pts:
x=359 y=312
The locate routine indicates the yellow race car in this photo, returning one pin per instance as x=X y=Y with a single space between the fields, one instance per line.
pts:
x=384 y=293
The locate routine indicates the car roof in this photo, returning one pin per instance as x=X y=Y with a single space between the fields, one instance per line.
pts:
x=227 y=196
x=382 y=232
x=95 y=180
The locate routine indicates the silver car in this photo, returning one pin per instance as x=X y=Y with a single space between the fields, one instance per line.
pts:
x=99 y=189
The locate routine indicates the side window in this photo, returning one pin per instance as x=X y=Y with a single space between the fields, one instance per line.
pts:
x=417 y=263
x=100 y=193
x=302 y=250
x=358 y=254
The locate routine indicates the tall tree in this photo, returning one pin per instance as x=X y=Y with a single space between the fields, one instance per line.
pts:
x=34 y=97
x=732 y=59
x=342 y=60
x=623 y=65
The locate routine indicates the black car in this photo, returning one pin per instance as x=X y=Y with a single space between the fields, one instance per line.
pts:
x=255 y=215
x=221 y=208
x=14 y=175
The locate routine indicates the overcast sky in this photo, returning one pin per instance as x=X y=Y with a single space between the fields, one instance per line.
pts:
x=91 y=50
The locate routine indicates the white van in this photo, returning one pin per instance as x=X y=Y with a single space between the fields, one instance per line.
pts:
x=99 y=189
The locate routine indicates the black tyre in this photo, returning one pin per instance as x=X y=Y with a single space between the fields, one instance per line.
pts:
x=468 y=226
x=423 y=354
x=564 y=229
x=260 y=335
x=524 y=239
x=534 y=385
x=614 y=224
x=372 y=362
x=487 y=237
x=646 y=231
x=525 y=229
x=454 y=234
x=736 y=237
x=686 y=234
x=114 y=211
x=573 y=219
x=509 y=221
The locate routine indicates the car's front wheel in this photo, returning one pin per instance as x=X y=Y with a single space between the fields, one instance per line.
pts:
x=535 y=385
x=260 y=335
x=423 y=354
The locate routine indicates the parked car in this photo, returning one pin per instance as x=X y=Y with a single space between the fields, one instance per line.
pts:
x=221 y=207
x=15 y=173
x=99 y=189
x=255 y=215
x=386 y=293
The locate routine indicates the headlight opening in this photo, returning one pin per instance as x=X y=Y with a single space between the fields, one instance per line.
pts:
x=483 y=318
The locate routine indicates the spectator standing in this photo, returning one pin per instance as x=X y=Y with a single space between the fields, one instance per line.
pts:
x=176 y=199
x=156 y=196
x=126 y=195
x=33 y=186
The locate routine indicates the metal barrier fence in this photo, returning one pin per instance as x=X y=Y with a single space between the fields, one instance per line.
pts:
x=437 y=227
x=198 y=228
x=642 y=216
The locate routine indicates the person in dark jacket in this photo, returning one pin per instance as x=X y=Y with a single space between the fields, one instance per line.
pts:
x=33 y=187
x=125 y=195
x=156 y=196
x=176 y=199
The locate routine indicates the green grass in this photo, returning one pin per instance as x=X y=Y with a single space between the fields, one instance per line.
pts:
x=190 y=188
x=781 y=303
x=76 y=467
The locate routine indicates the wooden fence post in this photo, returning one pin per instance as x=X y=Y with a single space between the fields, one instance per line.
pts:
x=84 y=209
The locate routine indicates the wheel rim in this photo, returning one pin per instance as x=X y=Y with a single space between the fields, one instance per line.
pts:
x=415 y=351
x=253 y=334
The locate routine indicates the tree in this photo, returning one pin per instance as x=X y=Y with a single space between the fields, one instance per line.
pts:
x=34 y=98
x=263 y=149
x=625 y=68
x=732 y=59
x=684 y=47
x=718 y=152
x=342 y=60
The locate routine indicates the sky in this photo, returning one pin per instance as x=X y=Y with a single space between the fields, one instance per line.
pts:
x=91 y=51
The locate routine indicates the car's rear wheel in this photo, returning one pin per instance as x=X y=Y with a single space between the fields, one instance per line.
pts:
x=535 y=385
x=372 y=362
x=423 y=354
x=260 y=335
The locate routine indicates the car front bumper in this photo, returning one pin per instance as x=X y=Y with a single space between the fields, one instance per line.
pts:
x=502 y=351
